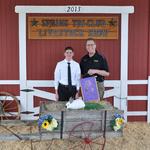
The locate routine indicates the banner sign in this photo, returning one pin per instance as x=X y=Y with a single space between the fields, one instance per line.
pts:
x=73 y=27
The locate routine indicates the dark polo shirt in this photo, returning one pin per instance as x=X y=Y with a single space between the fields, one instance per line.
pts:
x=95 y=62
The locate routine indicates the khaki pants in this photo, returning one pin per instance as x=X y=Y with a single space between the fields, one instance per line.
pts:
x=101 y=89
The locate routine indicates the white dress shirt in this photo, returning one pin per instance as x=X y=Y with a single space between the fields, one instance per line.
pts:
x=61 y=73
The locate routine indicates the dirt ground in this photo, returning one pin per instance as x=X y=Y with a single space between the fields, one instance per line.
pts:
x=136 y=136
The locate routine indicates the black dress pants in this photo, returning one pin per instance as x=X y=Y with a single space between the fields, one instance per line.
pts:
x=65 y=92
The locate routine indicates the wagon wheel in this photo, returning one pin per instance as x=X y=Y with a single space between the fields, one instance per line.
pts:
x=80 y=137
x=9 y=107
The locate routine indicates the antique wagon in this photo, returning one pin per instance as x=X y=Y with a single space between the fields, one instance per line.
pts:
x=83 y=128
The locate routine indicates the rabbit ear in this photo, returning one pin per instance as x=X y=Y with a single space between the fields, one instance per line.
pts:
x=68 y=103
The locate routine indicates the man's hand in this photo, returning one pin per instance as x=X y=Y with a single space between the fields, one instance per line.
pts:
x=92 y=71
x=99 y=72
x=56 y=95
x=77 y=95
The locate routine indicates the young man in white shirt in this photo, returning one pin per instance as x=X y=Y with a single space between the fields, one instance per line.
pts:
x=65 y=87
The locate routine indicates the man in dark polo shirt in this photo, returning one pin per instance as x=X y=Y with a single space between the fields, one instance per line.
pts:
x=94 y=64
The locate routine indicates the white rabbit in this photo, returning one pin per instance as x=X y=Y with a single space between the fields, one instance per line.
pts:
x=75 y=104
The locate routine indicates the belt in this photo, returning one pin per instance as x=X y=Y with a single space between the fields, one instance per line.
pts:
x=65 y=85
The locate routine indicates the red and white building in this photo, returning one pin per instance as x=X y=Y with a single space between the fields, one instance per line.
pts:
x=29 y=64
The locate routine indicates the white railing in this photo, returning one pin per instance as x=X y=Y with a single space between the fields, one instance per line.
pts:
x=27 y=104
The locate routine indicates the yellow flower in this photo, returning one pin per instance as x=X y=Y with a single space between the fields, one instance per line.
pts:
x=45 y=124
x=119 y=121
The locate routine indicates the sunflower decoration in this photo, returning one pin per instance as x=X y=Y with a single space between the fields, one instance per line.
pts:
x=117 y=123
x=48 y=122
